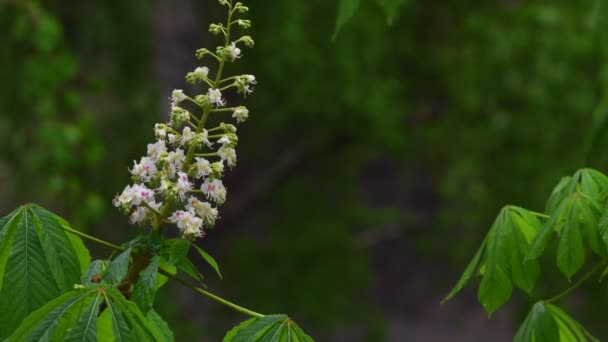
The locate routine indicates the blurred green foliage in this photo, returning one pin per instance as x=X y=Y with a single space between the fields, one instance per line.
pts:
x=47 y=136
x=480 y=104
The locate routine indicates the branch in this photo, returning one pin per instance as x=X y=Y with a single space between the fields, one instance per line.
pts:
x=576 y=285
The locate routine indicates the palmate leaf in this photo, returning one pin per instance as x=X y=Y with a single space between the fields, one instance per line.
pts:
x=39 y=260
x=85 y=329
x=574 y=207
x=42 y=324
x=141 y=327
x=113 y=324
x=548 y=323
x=121 y=320
x=502 y=256
x=271 y=328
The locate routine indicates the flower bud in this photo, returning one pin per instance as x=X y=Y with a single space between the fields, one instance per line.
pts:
x=228 y=127
x=179 y=116
x=243 y=23
x=247 y=40
x=240 y=8
x=216 y=28
x=198 y=75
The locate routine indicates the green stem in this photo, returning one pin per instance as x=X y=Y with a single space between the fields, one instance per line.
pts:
x=213 y=154
x=171 y=276
x=576 y=285
x=218 y=110
x=220 y=69
x=94 y=239
x=210 y=295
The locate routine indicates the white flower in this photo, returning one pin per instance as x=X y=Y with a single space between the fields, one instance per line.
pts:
x=234 y=51
x=145 y=169
x=156 y=149
x=205 y=138
x=227 y=154
x=203 y=210
x=187 y=135
x=215 y=96
x=241 y=114
x=179 y=116
x=183 y=185
x=165 y=184
x=126 y=197
x=138 y=215
x=201 y=72
x=214 y=190
x=172 y=138
x=175 y=161
x=250 y=79
x=203 y=167
x=177 y=97
x=160 y=131
x=141 y=193
x=190 y=225
x=224 y=140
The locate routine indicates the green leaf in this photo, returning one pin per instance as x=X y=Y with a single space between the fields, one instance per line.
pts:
x=271 y=328
x=41 y=324
x=120 y=330
x=257 y=328
x=232 y=332
x=468 y=272
x=85 y=328
x=161 y=279
x=548 y=323
x=539 y=326
x=160 y=323
x=209 y=259
x=144 y=289
x=141 y=327
x=575 y=212
x=571 y=249
x=104 y=327
x=118 y=268
x=603 y=226
x=391 y=7
x=569 y=329
x=96 y=269
x=8 y=229
x=346 y=11
x=38 y=262
x=558 y=194
x=178 y=250
x=80 y=250
x=502 y=255
x=187 y=267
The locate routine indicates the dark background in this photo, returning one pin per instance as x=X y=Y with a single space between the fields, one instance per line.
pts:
x=369 y=171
